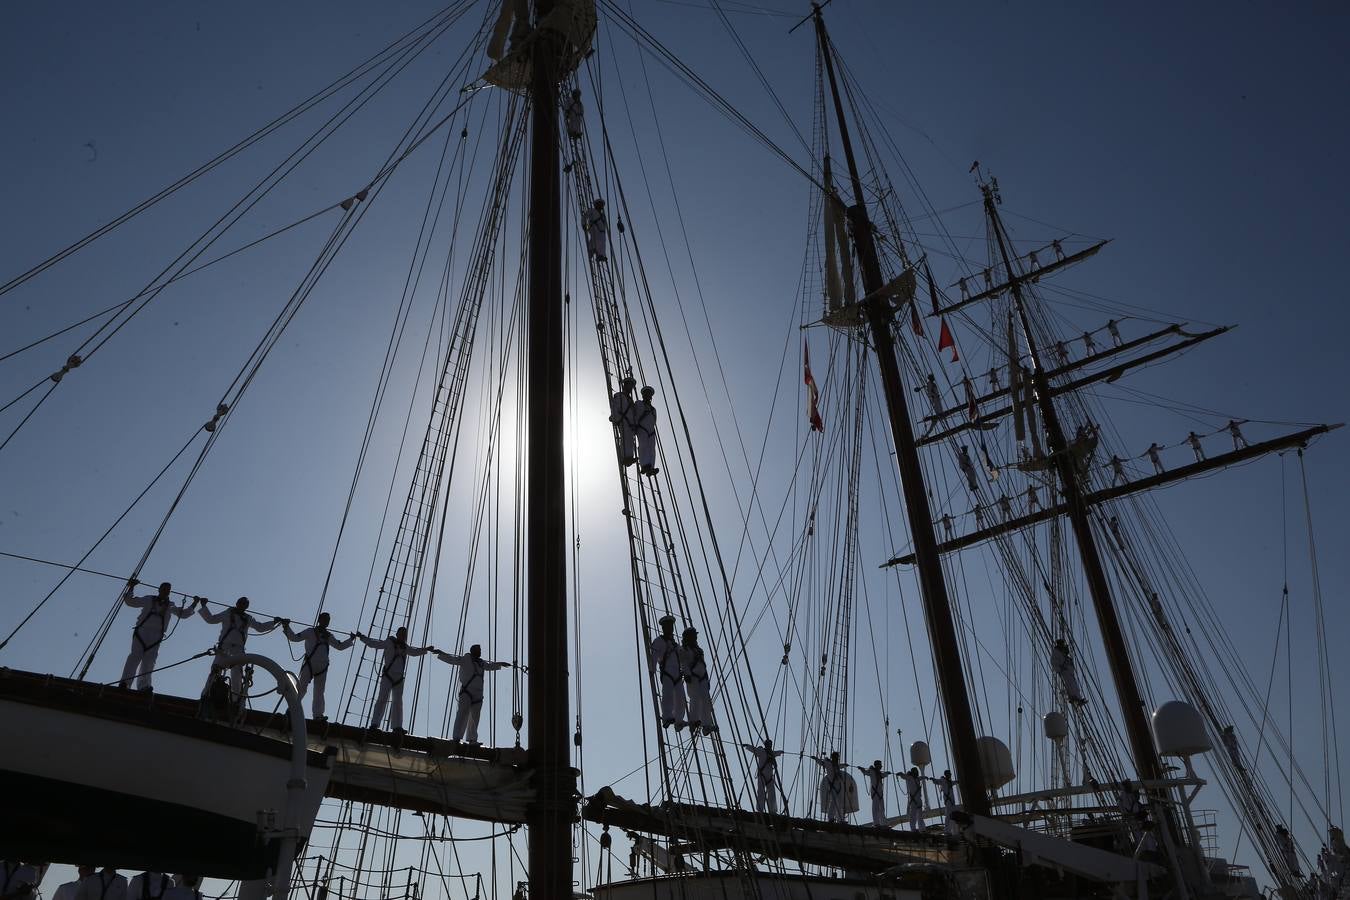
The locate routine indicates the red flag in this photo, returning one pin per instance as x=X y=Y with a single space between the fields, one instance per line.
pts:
x=946 y=340
x=914 y=321
x=812 y=393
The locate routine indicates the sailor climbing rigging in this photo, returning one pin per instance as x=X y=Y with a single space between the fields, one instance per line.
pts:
x=766 y=776
x=148 y=633
x=1061 y=663
x=663 y=660
x=574 y=116
x=620 y=409
x=968 y=469
x=595 y=225
x=947 y=796
x=234 y=623
x=642 y=416
x=314 y=667
x=695 y=667
x=469 y=704
x=393 y=666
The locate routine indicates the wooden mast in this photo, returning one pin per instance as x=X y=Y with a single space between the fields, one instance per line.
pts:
x=932 y=584
x=554 y=809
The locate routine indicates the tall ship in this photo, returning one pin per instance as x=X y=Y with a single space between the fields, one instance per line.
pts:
x=911 y=625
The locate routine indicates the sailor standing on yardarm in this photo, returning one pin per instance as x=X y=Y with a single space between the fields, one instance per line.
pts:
x=314 y=667
x=234 y=623
x=393 y=666
x=766 y=776
x=148 y=633
x=470 y=703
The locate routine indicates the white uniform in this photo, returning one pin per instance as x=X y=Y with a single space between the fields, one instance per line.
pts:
x=102 y=885
x=314 y=667
x=392 y=668
x=574 y=117
x=642 y=417
x=699 y=687
x=1062 y=664
x=234 y=625
x=620 y=406
x=947 y=794
x=597 y=232
x=15 y=875
x=766 y=778
x=664 y=659
x=147 y=635
x=913 y=800
x=470 y=703
x=149 y=886
x=838 y=791
x=876 y=790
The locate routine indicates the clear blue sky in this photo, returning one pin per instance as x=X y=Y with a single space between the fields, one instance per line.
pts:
x=1207 y=140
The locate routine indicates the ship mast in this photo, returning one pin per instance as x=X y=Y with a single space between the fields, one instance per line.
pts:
x=550 y=817
x=932 y=584
x=1148 y=765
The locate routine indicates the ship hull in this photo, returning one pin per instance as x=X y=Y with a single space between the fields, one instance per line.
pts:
x=110 y=779
x=735 y=885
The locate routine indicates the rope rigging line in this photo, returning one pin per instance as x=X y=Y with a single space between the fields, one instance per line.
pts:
x=217 y=229
x=414 y=35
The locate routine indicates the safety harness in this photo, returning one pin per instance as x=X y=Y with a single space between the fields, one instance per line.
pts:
x=670 y=648
x=696 y=666
x=639 y=422
x=320 y=640
x=400 y=654
x=875 y=783
x=156 y=610
x=146 y=893
x=478 y=669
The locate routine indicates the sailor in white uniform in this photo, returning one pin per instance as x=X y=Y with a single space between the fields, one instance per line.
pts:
x=947 y=794
x=314 y=667
x=18 y=880
x=234 y=623
x=470 y=703
x=187 y=888
x=148 y=633
x=876 y=790
x=836 y=798
x=620 y=405
x=102 y=885
x=1061 y=662
x=574 y=116
x=766 y=776
x=593 y=222
x=663 y=659
x=149 y=886
x=696 y=681
x=393 y=666
x=913 y=797
x=67 y=890
x=642 y=416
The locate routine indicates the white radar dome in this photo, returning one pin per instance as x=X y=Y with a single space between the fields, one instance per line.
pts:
x=1178 y=730
x=919 y=754
x=1056 y=726
x=996 y=760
